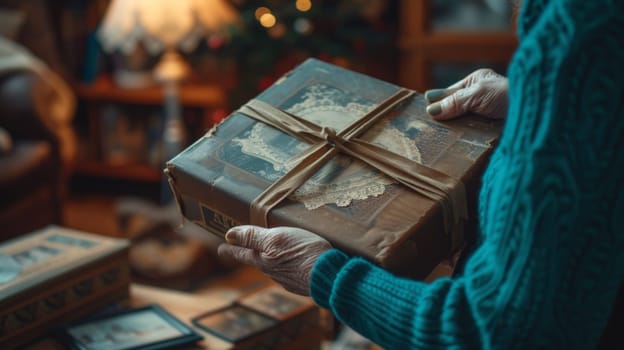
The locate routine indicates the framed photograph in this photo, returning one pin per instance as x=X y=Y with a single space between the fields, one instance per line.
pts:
x=234 y=323
x=146 y=328
x=276 y=302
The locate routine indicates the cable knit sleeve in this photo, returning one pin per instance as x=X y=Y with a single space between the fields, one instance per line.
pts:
x=551 y=253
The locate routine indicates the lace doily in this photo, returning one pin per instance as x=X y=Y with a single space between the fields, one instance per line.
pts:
x=343 y=179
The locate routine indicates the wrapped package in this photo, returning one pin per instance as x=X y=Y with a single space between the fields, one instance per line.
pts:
x=347 y=156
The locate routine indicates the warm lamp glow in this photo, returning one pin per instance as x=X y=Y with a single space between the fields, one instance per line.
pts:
x=169 y=26
x=163 y=24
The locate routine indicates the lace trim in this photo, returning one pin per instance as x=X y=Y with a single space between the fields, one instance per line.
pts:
x=343 y=179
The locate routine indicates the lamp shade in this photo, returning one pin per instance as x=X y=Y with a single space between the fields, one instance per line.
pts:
x=161 y=24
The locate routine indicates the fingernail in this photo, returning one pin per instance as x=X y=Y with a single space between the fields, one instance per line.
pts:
x=231 y=237
x=435 y=94
x=434 y=109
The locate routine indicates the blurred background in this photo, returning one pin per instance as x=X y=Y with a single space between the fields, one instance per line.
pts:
x=112 y=89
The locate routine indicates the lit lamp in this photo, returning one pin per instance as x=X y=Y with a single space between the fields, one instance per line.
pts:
x=164 y=26
x=167 y=27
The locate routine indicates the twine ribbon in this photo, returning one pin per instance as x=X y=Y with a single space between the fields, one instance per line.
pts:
x=326 y=143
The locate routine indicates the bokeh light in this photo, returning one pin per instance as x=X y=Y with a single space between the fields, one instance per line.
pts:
x=303 y=5
x=261 y=11
x=267 y=20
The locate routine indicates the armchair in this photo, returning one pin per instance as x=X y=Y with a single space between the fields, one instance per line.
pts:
x=36 y=112
x=31 y=170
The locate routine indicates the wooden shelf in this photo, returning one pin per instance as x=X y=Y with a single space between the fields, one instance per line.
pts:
x=192 y=94
x=458 y=43
x=203 y=105
x=132 y=172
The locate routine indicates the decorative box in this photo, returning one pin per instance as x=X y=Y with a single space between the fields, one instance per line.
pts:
x=270 y=318
x=55 y=275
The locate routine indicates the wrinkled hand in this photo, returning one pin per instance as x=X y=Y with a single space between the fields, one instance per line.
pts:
x=482 y=92
x=286 y=254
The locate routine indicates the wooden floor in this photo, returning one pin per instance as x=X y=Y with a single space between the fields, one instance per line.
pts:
x=92 y=213
x=99 y=214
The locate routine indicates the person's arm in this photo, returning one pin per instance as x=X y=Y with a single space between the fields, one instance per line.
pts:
x=551 y=260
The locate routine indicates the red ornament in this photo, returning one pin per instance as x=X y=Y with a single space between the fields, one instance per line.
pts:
x=323 y=57
x=359 y=45
x=265 y=82
x=215 y=41
x=218 y=115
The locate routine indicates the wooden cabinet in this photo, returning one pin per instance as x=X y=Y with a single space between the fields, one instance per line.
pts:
x=140 y=111
x=429 y=47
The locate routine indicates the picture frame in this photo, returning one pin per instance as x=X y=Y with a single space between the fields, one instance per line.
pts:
x=145 y=328
x=234 y=323
x=277 y=302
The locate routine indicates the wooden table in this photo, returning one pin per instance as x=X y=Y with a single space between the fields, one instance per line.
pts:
x=186 y=305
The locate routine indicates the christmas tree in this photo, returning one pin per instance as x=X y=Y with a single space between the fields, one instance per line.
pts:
x=276 y=35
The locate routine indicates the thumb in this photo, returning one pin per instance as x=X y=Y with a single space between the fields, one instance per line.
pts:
x=452 y=106
x=247 y=236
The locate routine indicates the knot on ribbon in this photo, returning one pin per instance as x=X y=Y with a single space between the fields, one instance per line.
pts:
x=330 y=135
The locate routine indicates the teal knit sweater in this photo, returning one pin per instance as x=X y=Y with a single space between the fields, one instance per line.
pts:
x=550 y=255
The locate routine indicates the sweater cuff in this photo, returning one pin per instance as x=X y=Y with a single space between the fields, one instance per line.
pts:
x=324 y=274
